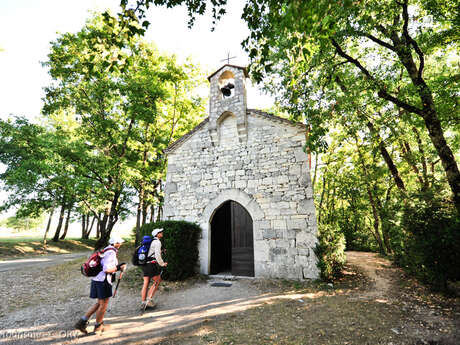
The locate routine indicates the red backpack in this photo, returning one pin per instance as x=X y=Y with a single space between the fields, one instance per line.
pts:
x=93 y=266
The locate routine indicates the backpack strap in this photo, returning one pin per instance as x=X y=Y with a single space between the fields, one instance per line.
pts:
x=107 y=249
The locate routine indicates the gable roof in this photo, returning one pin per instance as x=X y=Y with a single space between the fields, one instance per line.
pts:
x=275 y=118
x=255 y=112
x=234 y=66
x=184 y=138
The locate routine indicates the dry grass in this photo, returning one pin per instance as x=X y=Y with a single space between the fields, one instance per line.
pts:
x=332 y=315
x=19 y=247
x=345 y=313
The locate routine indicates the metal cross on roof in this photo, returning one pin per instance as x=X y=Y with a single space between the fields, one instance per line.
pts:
x=228 y=58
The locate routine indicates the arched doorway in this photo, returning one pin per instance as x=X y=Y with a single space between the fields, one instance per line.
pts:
x=232 y=243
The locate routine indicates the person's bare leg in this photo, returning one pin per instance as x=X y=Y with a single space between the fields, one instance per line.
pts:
x=92 y=310
x=103 y=303
x=145 y=288
x=154 y=288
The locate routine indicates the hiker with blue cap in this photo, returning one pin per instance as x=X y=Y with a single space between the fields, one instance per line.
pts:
x=101 y=286
x=152 y=269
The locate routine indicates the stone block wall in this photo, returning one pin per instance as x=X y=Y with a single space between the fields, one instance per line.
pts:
x=219 y=106
x=267 y=174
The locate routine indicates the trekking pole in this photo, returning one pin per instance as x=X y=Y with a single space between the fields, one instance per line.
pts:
x=119 y=278
x=151 y=291
x=116 y=287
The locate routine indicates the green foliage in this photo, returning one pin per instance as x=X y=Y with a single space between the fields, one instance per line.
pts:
x=36 y=176
x=431 y=249
x=381 y=63
x=330 y=251
x=123 y=117
x=181 y=243
x=23 y=223
x=381 y=74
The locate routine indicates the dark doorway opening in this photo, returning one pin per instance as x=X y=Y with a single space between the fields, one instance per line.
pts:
x=232 y=248
x=221 y=240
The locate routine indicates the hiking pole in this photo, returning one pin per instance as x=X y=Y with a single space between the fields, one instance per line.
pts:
x=119 y=278
x=116 y=287
x=151 y=291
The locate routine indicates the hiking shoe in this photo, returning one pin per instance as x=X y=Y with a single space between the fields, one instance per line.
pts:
x=99 y=328
x=81 y=325
x=150 y=306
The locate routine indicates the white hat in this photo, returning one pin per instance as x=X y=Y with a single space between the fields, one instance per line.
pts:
x=116 y=239
x=155 y=232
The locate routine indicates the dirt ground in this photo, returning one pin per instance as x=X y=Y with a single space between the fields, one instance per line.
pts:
x=374 y=303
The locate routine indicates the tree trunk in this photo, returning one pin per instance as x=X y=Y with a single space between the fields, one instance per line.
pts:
x=320 y=207
x=313 y=182
x=144 y=213
x=374 y=133
x=405 y=47
x=160 y=204
x=159 y=212
x=152 y=213
x=388 y=160
x=90 y=227
x=422 y=153
x=86 y=228
x=409 y=158
x=83 y=226
x=375 y=213
x=66 y=226
x=108 y=221
x=47 y=228
x=98 y=230
x=103 y=239
x=140 y=206
x=61 y=218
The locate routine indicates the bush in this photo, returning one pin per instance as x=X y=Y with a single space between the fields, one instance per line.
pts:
x=330 y=251
x=431 y=251
x=181 y=243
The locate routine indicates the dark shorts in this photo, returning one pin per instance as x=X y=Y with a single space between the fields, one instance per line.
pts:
x=151 y=270
x=100 y=290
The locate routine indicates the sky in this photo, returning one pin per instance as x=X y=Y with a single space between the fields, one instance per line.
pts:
x=28 y=26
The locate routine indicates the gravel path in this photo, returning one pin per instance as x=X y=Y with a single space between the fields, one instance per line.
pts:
x=49 y=320
x=39 y=262
x=41 y=307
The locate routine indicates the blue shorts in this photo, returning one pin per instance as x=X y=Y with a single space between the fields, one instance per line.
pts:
x=100 y=290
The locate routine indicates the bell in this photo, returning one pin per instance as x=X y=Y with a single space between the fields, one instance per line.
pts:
x=226 y=90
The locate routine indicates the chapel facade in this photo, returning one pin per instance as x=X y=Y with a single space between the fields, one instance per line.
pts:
x=243 y=176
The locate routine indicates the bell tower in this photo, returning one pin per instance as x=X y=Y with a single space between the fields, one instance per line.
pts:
x=228 y=96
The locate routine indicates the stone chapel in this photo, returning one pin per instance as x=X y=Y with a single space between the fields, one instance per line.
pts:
x=242 y=175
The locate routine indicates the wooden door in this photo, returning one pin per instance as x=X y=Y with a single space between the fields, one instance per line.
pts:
x=242 y=241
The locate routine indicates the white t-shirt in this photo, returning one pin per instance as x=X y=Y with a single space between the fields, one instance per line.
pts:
x=155 y=251
x=109 y=261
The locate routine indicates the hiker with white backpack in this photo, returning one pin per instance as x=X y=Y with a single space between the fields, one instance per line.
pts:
x=152 y=269
x=101 y=285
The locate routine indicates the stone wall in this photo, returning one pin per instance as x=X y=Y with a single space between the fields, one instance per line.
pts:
x=220 y=107
x=267 y=174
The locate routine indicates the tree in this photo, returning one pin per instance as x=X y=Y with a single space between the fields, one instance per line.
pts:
x=309 y=44
x=36 y=177
x=23 y=223
x=388 y=52
x=123 y=117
